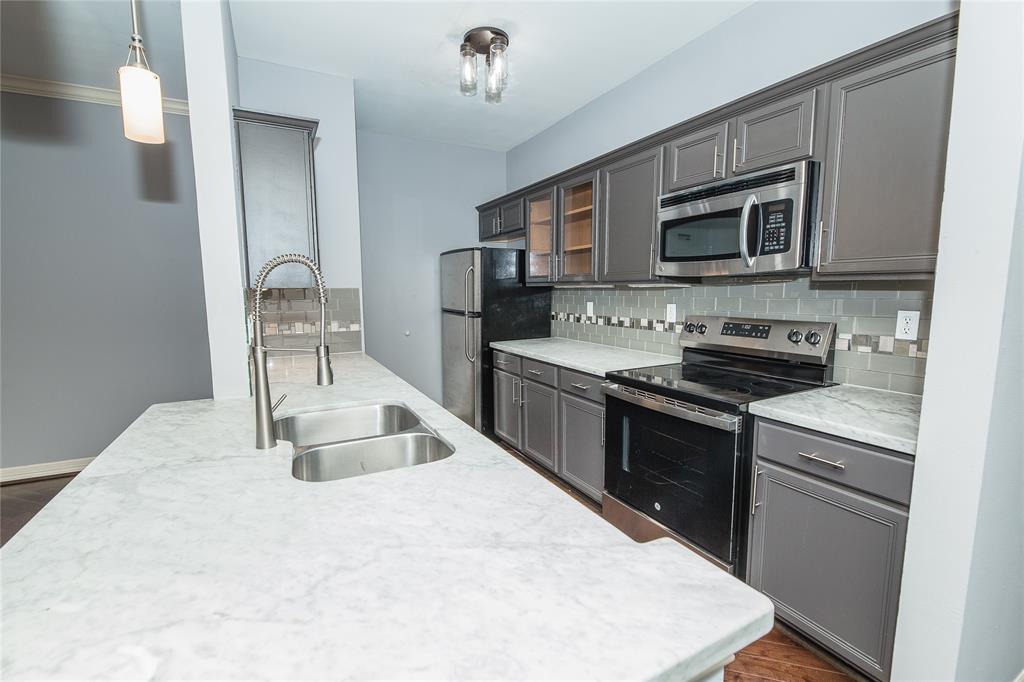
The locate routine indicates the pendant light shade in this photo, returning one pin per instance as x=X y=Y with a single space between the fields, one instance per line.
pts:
x=467 y=70
x=141 y=105
x=493 y=44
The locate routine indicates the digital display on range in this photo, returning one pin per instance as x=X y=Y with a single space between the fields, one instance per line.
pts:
x=753 y=331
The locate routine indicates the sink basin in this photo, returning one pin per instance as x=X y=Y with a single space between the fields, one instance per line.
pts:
x=361 y=457
x=344 y=423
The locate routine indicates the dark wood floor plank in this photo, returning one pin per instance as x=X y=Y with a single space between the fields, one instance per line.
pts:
x=780 y=671
x=786 y=653
x=19 y=502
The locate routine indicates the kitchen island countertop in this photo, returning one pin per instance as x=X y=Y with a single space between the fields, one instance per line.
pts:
x=184 y=552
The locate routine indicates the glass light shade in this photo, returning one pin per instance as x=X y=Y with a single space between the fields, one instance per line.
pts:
x=467 y=70
x=499 y=62
x=141 y=105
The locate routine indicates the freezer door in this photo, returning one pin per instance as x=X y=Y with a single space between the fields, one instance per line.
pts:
x=461 y=363
x=460 y=278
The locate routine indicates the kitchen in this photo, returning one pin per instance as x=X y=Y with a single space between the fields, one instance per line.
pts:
x=622 y=362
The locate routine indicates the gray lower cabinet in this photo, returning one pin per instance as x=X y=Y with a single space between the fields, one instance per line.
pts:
x=885 y=166
x=696 y=158
x=540 y=423
x=831 y=559
x=777 y=133
x=581 y=444
x=507 y=417
x=629 y=191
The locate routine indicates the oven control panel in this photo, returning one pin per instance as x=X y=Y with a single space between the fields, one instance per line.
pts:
x=776 y=227
x=770 y=338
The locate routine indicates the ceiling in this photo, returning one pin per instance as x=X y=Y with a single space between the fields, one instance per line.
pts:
x=403 y=56
x=85 y=41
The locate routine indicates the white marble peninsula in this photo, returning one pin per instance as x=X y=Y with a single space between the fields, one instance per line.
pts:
x=184 y=552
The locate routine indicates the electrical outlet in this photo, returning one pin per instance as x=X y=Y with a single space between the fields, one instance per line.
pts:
x=907 y=322
x=670 y=313
x=590 y=308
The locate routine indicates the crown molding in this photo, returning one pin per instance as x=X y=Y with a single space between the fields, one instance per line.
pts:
x=78 y=93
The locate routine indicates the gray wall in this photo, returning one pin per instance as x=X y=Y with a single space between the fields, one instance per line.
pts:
x=416 y=200
x=102 y=287
x=763 y=44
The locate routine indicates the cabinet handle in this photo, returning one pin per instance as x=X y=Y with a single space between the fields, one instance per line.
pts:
x=602 y=428
x=653 y=242
x=827 y=462
x=714 y=163
x=735 y=152
x=499 y=223
x=503 y=362
x=535 y=371
x=580 y=386
x=754 y=504
x=514 y=383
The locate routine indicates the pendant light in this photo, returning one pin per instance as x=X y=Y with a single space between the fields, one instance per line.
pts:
x=493 y=44
x=141 y=99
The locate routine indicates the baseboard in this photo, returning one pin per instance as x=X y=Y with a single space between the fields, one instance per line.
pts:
x=44 y=470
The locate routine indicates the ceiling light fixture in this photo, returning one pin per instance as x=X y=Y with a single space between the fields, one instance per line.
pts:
x=493 y=44
x=141 y=99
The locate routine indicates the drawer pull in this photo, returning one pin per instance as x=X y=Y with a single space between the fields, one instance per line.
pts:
x=582 y=387
x=536 y=371
x=819 y=460
x=503 y=362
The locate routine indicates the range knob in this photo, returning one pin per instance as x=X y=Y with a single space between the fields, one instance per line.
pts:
x=690 y=327
x=702 y=328
x=813 y=338
x=795 y=336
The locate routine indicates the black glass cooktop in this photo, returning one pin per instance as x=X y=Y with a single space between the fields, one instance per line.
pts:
x=688 y=381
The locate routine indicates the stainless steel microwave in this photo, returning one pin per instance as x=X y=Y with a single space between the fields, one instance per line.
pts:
x=750 y=225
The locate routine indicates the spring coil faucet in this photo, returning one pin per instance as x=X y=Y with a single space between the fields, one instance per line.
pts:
x=324 y=376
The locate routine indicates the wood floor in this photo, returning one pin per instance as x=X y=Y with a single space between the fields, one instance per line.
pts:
x=776 y=656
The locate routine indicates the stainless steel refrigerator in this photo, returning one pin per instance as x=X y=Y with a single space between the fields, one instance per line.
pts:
x=484 y=298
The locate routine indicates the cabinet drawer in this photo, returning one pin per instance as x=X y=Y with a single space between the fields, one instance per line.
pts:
x=873 y=471
x=584 y=385
x=508 y=363
x=539 y=371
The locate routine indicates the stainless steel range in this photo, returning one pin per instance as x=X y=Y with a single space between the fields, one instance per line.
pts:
x=678 y=437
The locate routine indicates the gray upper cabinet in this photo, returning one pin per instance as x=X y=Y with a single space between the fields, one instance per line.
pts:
x=577 y=229
x=777 y=133
x=629 y=198
x=886 y=162
x=489 y=223
x=831 y=561
x=507 y=418
x=540 y=423
x=510 y=220
x=540 y=236
x=581 y=444
x=696 y=158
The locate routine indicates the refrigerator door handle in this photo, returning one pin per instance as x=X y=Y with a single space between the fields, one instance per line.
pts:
x=469 y=272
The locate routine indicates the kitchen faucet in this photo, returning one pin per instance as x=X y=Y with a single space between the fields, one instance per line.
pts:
x=324 y=376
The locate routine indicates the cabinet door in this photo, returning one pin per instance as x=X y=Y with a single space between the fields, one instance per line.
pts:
x=540 y=236
x=886 y=165
x=777 y=133
x=507 y=422
x=629 y=198
x=540 y=423
x=577 y=229
x=489 y=223
x=581 y=445
x=510 y=220
x=695 y=158
x=831 y=560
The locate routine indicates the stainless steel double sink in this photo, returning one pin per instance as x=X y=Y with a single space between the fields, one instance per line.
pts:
x=343 y=442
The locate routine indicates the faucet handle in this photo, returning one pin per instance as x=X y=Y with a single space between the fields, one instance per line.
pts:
x=279 y=401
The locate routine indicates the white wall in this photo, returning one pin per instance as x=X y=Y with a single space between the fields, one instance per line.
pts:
x=211 y=74
x=417 y=199
x=961 y=604
x=285 y=90
x=765 y=43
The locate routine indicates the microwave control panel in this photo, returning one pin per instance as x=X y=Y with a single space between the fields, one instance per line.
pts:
x=777 y=227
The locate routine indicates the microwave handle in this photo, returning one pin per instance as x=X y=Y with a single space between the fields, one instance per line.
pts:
x=751 y=201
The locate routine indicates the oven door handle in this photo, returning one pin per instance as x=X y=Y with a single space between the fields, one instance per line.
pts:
x=693 y=413
x=751 y=201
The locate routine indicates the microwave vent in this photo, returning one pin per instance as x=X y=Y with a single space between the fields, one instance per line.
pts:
x=719 y=189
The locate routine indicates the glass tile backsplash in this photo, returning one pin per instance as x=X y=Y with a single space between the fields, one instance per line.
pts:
x=867 y=352
x=291 y=319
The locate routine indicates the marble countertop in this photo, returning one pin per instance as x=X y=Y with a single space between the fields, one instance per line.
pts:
x=867 y=415
x=184 y=552
x=591 y=358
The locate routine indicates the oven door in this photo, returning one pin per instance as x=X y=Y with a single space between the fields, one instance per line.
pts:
x=676 y=466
